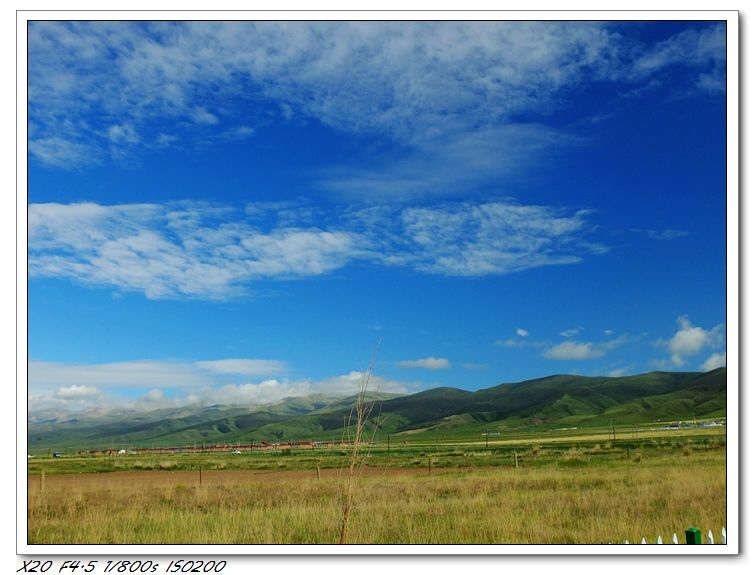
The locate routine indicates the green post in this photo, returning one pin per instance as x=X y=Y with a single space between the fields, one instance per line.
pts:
x=693 y=536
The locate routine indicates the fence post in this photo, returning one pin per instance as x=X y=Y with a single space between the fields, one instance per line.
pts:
x=693 y=536
x=710 y=537
x=723 y=535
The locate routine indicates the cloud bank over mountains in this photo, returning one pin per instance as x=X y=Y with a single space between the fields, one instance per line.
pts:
x=152 y=384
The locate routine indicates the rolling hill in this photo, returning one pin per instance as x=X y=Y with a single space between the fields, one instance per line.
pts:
x=550 y=401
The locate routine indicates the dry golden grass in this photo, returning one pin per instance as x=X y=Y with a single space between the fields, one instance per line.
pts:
x=570 y=502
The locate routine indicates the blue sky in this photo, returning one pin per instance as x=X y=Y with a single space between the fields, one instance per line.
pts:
x=235 y=212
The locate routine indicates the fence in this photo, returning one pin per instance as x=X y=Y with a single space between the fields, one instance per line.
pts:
x=692 y=537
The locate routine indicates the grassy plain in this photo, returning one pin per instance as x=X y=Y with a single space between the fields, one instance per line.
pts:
x=558 y=490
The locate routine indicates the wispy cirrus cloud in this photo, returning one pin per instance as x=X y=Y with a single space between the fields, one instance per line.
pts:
x=468 y=239
x=663 y=235
x=570 y=332
x=179 y=250
x=405 y=80
x=197 y=250
x=450 y=94
x=702 y=50
x=63 y=152
x=446 y=164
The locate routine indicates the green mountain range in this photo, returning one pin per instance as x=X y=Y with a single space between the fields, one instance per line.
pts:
x=555 y=401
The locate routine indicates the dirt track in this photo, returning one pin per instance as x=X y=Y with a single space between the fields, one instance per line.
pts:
x=218 y=477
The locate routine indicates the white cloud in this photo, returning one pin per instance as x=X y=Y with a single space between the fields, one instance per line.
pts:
x=703 y=50
x=522 y=332
x=446 y=164
x=663 y=235
x=618 y=372
x=202 y=116
x=181 y=250
x=237 y=133
x=404 y=80
x=438 y=88
x=146 y=385
x=266 y=391
x=519 y=343
x=130 y=374
x=165 y=140
x=427 y=363
x=493 y=238
x=574 y=350
x=122 y=134
x=272 y=390
x=350 y=383
x=63 y=153
x=570 y=332
x=195 y=250
x=153 y=398
x=689 y=340
x=714 y=361
x=77 y=392
x=78 y=386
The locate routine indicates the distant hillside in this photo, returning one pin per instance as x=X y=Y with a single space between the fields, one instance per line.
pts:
x=550 y=401
x=178 y=426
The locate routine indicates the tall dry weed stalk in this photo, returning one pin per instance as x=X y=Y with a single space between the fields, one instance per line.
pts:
x=358 y=417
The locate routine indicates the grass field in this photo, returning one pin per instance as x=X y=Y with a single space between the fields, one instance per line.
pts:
x=569 y=491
